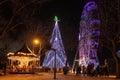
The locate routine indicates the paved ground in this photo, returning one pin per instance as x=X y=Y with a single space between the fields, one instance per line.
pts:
x=50 y=76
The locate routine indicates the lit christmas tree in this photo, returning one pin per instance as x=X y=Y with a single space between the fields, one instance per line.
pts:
x=88 y=36
x=56 y=48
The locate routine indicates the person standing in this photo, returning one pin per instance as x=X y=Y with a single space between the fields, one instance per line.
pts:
x=78 y=70
x=4 y=68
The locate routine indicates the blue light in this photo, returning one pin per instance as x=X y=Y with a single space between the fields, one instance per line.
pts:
x=57 y=45
x=118 y=53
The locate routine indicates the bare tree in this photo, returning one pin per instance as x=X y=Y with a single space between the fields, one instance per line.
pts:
x=18 y=19
x=110 y=30
x=19 y=11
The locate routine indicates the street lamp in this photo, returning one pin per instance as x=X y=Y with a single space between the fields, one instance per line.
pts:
x=54 y=63
x=36 y=42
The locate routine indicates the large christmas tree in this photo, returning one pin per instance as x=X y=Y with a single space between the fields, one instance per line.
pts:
x=57 y=49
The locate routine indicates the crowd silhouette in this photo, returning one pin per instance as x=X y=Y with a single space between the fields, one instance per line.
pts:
x=90 y=70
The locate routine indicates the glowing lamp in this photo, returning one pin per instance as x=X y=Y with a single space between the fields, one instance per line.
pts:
x=36 y=41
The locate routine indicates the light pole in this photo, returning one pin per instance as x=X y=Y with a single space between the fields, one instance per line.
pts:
x=55 y=66
x=36 y=42
x=54 y=63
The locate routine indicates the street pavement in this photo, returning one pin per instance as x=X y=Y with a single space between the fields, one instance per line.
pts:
x=50 y=76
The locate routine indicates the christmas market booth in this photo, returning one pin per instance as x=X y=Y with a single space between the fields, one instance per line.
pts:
x=23 y=61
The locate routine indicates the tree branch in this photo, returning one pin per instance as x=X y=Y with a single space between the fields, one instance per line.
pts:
x=3 y=2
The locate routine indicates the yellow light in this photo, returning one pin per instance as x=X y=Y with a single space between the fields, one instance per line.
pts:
x=36 y=41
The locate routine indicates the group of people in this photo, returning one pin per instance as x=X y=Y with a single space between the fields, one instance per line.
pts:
x=90 y=70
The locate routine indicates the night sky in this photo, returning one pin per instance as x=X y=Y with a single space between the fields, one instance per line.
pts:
x=68 y=12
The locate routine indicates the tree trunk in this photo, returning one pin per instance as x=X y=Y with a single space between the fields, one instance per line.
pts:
x=117 y=60
x=117 y=68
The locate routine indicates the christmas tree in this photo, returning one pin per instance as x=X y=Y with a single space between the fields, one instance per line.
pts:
x=57 y=49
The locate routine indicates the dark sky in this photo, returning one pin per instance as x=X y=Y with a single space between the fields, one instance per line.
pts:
x=69 y=13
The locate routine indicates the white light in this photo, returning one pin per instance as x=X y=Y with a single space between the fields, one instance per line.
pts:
x=56 y=38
